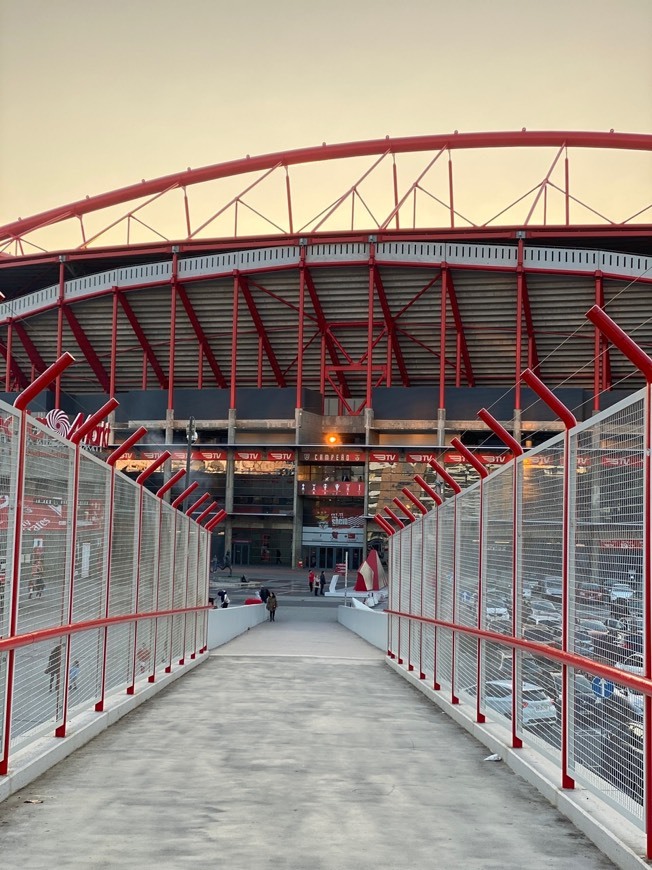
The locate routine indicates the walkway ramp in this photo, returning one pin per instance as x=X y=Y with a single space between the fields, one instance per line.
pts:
x=293 y=746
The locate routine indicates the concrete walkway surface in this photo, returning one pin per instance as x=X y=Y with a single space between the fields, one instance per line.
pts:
x=293 y=746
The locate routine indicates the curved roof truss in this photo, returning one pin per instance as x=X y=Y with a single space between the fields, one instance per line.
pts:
x=376 y=185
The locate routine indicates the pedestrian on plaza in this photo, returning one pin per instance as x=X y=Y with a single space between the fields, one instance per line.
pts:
x=278 y=557
x=264 y=594
x=316 y=586
x=54 y=667
x=227 y=563
x=311 y=580
x=74 y=673
x=224 y=598
x=322 y=582
x=271 y=606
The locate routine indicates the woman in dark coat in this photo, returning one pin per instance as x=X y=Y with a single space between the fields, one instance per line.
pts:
x=271 y=605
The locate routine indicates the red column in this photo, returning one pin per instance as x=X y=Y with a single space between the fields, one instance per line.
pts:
x=8 y=369
x=302 y=303
x=442 y=338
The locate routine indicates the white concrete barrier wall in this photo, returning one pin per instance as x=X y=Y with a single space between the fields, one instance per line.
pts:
x=227 y=623
x=370 y=625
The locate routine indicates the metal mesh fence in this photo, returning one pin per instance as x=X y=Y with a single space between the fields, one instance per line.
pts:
x=428 y=582
x=88 y=556
x=561 y=553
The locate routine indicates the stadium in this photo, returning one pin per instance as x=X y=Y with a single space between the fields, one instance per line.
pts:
x=306 y=330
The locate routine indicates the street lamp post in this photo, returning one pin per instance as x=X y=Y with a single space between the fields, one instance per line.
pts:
x=191 y=437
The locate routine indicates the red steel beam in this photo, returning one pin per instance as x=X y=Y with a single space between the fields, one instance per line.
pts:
x=532 y=353
x=21 y=377
x=201 y=337
x=403 y=145
x=87 y=349
x=391 y=329
x=324 y=328
x=262 y=332
x=459 y=326
x=143 y=341
x=30 y=348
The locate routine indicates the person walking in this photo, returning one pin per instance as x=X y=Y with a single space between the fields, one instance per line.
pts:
x=74 y=673
x=311 y=580
x=54 y=667
x=322 y=582
x=271 y=605
x=316 y=586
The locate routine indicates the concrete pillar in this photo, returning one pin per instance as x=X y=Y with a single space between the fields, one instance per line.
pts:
x=441 y=427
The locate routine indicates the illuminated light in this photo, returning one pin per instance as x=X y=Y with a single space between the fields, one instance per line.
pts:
x=332 y=439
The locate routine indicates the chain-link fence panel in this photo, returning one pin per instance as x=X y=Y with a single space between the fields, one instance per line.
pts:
x=404 y=592
x=37 y=691
x=192 y=590
x=393 y=595
x=85 y=672
x=45 y=567
x=91 y=539
x=606 y=749
x=179 y=581
x=9 y=447
x=496 y=599
x=429 y=576
x=415 y=593
x=466 y=646
x=445 y=583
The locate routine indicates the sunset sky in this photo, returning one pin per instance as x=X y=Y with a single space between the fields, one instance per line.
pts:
x=97 y=95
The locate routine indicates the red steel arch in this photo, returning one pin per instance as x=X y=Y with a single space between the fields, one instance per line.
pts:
x=283 y=159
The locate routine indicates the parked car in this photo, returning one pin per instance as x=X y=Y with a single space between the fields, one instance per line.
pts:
x=589 y=592
x=537 y=705
x=543 y=611
x=622 y=759
x=551 y=587
x=621 y=590
x=633 y=664
x=496 y=610
x=586 y=702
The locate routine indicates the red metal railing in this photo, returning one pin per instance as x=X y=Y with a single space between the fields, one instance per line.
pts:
x=83 y=597
x=530 y=595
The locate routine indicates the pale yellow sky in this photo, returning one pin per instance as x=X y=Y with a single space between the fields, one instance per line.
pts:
x=97 y=95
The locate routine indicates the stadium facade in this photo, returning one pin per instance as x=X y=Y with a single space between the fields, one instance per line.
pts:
x=306 y=376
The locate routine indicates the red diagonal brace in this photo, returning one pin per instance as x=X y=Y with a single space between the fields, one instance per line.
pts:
x=470 y=458
x=408 y=513
x=441 y=471
x=87 y=349
x=143 y=341
x=427 y=488
x=390 y=513
x=415 y=501
x=201 y=337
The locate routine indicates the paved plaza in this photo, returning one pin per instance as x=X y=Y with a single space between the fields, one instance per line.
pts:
x=293 y=746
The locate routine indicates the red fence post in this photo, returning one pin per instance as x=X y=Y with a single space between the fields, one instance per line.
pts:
x=569 y=421
x=483 y=473
x=516 y=451
x=22 y=401
x=643 y=362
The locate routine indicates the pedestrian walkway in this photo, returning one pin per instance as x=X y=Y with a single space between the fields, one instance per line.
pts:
x=294 y=746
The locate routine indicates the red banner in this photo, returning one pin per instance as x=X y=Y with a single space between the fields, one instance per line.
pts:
x=484 y=458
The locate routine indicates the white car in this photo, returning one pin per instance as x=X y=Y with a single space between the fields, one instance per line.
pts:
x=621 y=590
x=496 y=610
x=538 y=706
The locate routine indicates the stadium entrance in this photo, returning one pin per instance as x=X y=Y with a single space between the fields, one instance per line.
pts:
x=327 y=558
